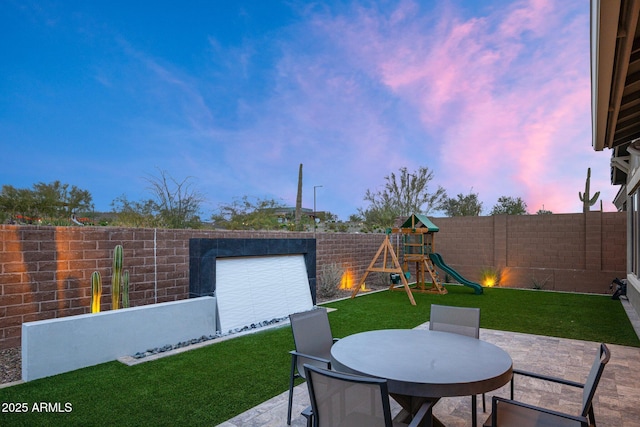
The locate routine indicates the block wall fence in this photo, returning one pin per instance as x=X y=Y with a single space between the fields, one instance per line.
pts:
x=45 y=271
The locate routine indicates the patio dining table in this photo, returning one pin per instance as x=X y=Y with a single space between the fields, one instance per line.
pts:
x=423 y=365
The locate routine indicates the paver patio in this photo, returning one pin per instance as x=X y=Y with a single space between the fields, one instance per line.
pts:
x=616 y=403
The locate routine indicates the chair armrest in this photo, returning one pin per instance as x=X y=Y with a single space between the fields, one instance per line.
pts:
x=496 y=399
x=307 y=412
x=425 y=410
x=309 y=356
x=547 y=378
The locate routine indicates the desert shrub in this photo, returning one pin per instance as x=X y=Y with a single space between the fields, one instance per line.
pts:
x=378 y=279
x=537 y=283
x=329 y=280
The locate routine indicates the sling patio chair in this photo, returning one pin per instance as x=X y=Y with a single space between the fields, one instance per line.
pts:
x=461 y=321
x=508 y=412
x=345 y=400
x=313 y=340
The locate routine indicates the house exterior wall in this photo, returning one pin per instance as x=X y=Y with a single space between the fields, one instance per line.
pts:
x=632 y=192
x=45 y=272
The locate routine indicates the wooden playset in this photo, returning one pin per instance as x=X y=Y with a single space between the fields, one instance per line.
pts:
x=418 y=242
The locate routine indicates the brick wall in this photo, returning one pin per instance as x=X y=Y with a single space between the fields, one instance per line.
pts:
x=45 y=272
x=566 y=252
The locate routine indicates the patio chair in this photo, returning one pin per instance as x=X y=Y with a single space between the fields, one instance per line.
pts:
x=462 y=321
x=507 y=412
x=313 y=340
x=344 y=400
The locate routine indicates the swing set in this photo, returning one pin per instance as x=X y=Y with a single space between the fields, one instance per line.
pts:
x=418 y=242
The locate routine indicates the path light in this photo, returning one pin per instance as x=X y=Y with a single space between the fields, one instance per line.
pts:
x=489 y=282
x=490 y=277
x=347 y=280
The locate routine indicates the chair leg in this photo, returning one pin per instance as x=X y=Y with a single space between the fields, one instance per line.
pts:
x=474 y=410
x=591 y=417
x=292 y=378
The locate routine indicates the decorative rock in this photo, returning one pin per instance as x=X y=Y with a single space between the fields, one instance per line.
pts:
x=205 y=338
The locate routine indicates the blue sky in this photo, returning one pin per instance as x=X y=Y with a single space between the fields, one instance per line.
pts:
x=492 y=96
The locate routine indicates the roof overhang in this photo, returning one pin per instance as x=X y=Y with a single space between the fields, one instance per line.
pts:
x=615 y=72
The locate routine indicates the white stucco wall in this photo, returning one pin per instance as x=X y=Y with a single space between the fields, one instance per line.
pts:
x=54 y=346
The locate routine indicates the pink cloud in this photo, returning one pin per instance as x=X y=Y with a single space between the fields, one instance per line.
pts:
x=500 y=93
x=497 y=103
x=533 y=15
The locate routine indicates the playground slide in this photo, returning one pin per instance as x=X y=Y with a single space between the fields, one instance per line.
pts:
x=438 y=261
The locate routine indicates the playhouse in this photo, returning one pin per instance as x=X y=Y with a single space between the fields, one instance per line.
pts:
x=417 y=237
x=418 y=243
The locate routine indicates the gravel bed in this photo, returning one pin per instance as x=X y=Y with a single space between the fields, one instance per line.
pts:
x=10 y=365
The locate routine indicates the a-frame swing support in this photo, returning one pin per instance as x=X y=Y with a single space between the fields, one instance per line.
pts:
x=386 y=250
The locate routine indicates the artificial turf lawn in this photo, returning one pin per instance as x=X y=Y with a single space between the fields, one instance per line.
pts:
x=209 y=385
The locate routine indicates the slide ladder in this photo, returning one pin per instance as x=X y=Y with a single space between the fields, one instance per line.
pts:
x=435 y=277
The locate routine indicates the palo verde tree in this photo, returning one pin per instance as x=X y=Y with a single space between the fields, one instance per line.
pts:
x=248 y=214
x=509 y=206
x=462 y=205
x=16 y=202
x=52 y=203
x=135 y=213
x=57 y=200
x=403 y=195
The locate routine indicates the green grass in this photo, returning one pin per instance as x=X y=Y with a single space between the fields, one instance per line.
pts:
x=212 y=384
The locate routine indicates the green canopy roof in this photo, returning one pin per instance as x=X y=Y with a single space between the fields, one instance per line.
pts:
x=419 y=221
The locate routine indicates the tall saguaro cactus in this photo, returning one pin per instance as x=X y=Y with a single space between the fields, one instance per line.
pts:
x=119 y=284
x=116 y=277
x=119 y=281
x=586 y=201
x=96 y=291
x=298 y=216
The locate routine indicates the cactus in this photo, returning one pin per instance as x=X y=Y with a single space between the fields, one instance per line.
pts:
x=116 y=277
x=125 y=289
x=586 y=201
x=298 y=216
x=119 y=284
x=96 y=291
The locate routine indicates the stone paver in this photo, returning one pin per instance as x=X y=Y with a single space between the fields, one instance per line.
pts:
x=616 y=404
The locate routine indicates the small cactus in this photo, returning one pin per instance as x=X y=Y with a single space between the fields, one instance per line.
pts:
x=116 y=277
x=125 y=289
x=119 y=284
x=96 y=291
x=586 y=201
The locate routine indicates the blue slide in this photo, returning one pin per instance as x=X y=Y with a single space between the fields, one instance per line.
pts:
x=438 y=261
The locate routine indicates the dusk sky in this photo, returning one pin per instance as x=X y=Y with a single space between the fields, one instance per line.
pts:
x=492 y=96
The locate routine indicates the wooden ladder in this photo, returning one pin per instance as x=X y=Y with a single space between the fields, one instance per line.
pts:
x=437 y=284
